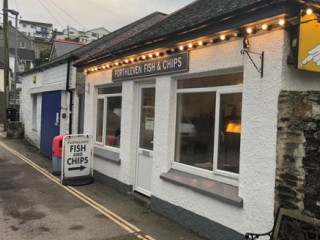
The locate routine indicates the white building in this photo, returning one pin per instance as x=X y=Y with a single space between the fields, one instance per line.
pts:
x=92 y=35
x=36 y=30
x=71 y=33
x=52 y=95
x=186 y=113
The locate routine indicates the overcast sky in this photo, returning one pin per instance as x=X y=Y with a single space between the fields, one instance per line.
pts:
x=90 y=14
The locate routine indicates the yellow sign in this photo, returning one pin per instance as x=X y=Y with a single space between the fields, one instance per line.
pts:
x=309 y=43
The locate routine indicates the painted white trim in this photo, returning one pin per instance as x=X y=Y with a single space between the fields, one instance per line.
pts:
x=104 y=97
x=215 y=174
x=109 y=95
x=230 y=88
x=48 y=88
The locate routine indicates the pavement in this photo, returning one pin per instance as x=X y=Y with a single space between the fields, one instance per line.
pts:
x=34 y=205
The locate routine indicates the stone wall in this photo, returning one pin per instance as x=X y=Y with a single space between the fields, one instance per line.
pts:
x=298 y=152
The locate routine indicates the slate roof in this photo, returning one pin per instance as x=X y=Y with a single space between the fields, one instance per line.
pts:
x=61 y=47
x=193 y=16
x=197 y=12
x=24 y=54
x=107 y=41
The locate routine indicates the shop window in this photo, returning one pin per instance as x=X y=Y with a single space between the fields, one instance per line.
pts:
x=108 y=117
x=208 y=123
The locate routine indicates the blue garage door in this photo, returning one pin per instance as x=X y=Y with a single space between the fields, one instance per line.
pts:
x=50 y=120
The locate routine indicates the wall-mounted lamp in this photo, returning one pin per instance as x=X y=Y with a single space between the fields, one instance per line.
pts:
x=246 y=43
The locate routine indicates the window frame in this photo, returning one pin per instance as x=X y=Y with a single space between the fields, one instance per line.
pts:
x=23 y=45
x=105 y=97
x=215 y=174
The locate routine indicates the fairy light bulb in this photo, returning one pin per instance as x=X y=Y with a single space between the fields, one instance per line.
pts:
x=126 y=61
x=222 y=37
x=181 y=48
x=131 y=59
x=190 y=45
x=281 y=22
x=264 y=26
x=200 y=43
x=249 y=30
x=309 y=11
x=157 y=54
x=150 y=55
x=143 y=57
x=116 y=63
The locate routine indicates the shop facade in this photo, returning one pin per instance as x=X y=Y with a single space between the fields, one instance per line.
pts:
x=193 y=124
x=174 y=128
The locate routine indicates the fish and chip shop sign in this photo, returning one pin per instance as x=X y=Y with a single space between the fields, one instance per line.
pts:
x=170 y=64
x=77 y=157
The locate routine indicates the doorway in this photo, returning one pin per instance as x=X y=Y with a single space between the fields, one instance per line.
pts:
x=145 y=139
x=50 y=120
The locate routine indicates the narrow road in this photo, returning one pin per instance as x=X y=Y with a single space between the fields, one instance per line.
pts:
x=34 y=205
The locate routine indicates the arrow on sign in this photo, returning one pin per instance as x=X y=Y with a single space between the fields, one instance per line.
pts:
x=76 y=168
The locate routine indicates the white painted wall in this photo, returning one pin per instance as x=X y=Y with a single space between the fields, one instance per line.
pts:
x=32 y=135
x=52 y=79
x=55 y=75
x=259 y=128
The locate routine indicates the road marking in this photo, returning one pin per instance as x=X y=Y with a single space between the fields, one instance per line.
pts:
x=103 y=210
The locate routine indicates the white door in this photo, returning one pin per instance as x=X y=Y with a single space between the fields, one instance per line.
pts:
x=145 y=139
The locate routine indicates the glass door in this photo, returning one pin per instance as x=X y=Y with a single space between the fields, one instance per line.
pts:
x=145 y=139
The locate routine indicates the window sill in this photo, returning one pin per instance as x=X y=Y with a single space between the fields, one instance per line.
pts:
x=211 y=188
x=107 y=155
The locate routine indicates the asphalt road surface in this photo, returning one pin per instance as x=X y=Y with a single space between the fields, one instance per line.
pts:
x=34 y=205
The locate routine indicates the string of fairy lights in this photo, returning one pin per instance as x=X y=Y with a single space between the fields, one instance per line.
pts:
x=273 y=24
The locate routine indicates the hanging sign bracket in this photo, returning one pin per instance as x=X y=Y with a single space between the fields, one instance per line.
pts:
x=261 y=56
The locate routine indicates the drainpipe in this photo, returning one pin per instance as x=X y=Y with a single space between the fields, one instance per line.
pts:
x=70 y=96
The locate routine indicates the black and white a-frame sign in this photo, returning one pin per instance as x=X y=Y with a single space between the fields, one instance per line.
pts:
x=77 y=159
